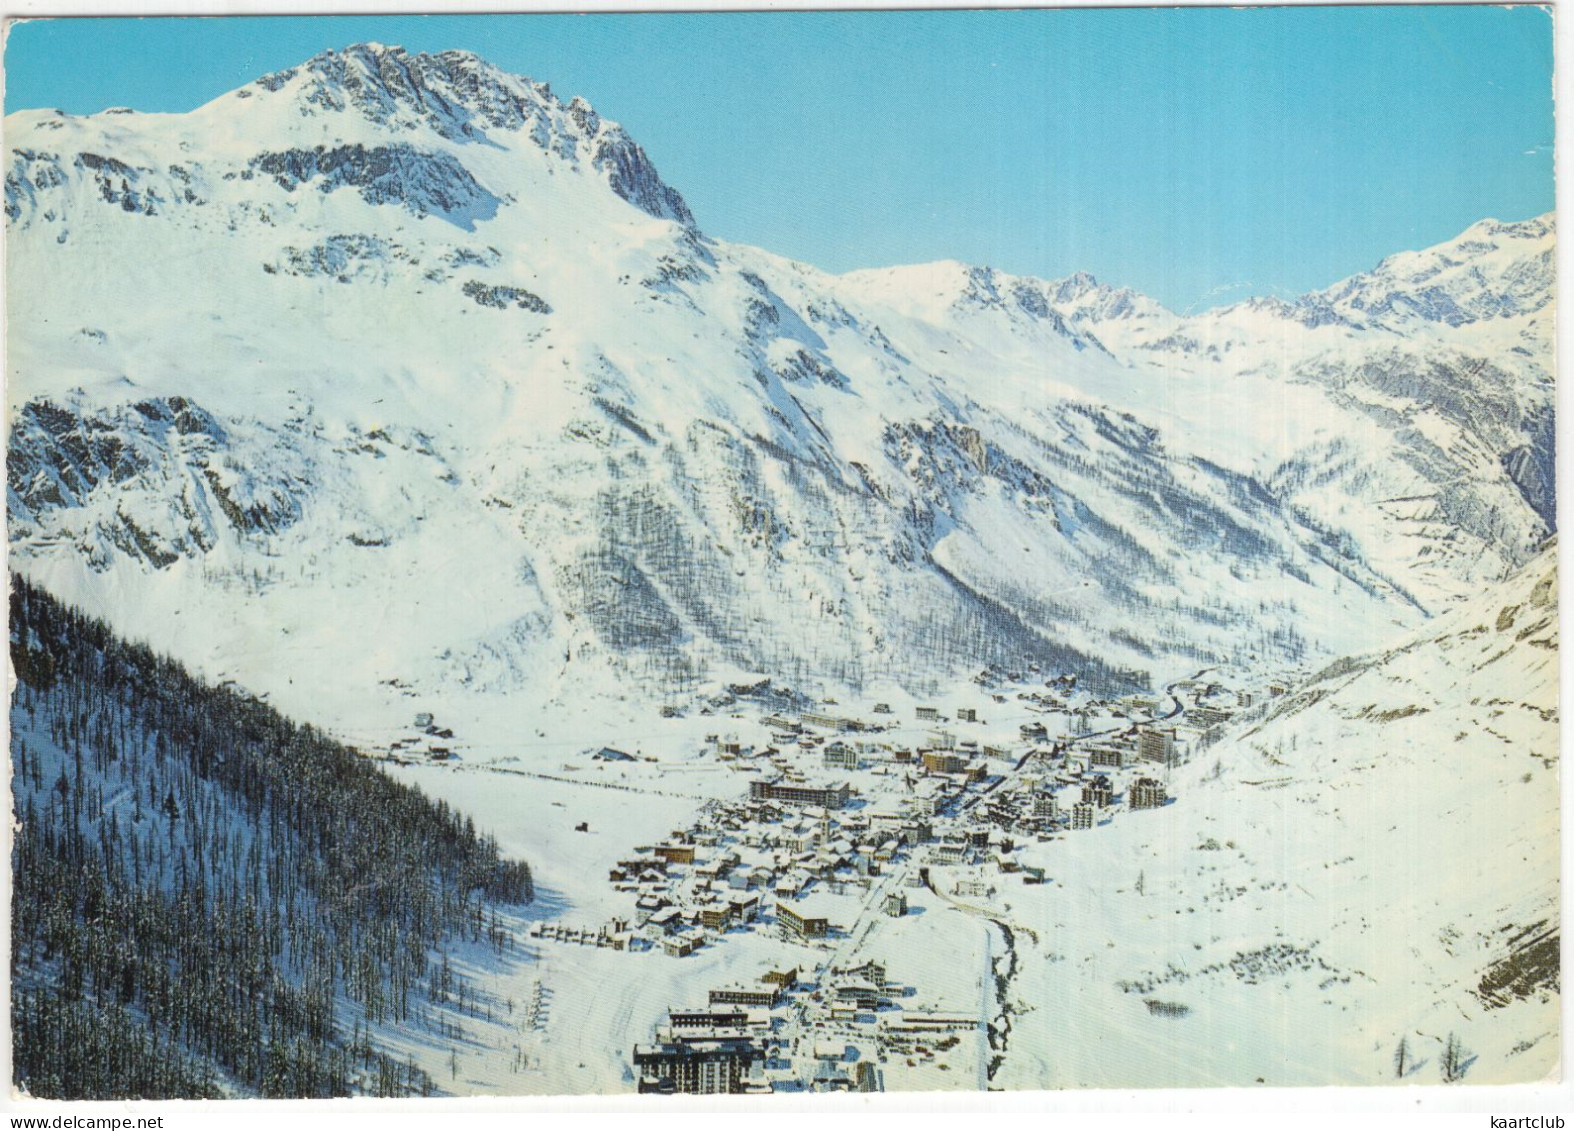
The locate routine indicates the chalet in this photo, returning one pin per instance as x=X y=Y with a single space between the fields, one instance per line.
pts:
x=675 y=853
x=609 y=754
x=950 y=853
x=637 y=866
x=669 y=920
x=766 y=812
x=1034 y=732
x=791 y=884
x=719 y=867
x=882 y=708
x=716 y=916
x=855 y=824
x=679 y=946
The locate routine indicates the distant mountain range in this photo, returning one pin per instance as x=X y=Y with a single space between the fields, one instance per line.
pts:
x=395 y=371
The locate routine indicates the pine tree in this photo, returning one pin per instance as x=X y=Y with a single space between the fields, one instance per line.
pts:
x=1455 y=1060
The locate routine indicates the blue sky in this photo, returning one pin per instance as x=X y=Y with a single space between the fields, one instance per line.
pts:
x=1198 y=155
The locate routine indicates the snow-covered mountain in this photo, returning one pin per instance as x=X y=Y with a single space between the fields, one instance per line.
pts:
x=1373 y=859
x=394 y=374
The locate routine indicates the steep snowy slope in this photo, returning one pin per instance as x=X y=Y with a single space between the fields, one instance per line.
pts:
x=1374 y=860
x=393 y=374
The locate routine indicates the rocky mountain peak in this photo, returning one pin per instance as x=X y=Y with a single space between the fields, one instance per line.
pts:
x=462 y=98
x=1085 y=298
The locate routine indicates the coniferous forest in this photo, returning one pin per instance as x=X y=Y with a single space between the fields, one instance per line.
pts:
x=210 y=899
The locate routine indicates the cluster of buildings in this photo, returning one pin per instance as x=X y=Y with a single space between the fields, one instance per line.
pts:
x=833 y=805
x=760 y=863
x=781 y=1032
x=425 y=741
x=827 y=815
x=834 y=800
x=1211 y=705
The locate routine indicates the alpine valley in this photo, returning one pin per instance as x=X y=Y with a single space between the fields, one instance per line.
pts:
x=391 y=386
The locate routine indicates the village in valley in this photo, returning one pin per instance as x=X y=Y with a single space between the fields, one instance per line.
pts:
x=832 y=845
